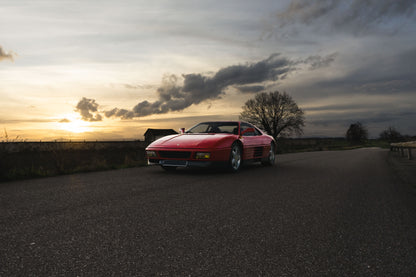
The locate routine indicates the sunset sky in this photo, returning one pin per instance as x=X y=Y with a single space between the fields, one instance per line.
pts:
x=108 y=70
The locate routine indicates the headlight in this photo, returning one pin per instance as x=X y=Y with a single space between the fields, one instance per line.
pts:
x=202 y=155
x=151 y=154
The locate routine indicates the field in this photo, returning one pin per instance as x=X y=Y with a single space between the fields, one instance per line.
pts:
x=39 y=159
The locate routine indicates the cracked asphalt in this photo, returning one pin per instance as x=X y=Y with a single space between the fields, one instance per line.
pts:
x=339 y=213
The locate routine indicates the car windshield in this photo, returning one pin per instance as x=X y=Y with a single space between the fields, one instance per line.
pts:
x=215 y=127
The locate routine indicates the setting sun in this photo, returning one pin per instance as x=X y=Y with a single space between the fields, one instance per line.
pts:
x=74 y=125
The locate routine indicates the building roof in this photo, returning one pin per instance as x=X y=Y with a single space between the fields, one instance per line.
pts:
x=160 y=132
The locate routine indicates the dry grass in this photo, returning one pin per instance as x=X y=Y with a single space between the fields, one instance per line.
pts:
x=39 y=159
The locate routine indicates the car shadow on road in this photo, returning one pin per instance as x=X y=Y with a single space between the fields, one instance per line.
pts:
x=250 y=167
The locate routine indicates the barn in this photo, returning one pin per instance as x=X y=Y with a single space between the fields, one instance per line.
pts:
x=153 y=134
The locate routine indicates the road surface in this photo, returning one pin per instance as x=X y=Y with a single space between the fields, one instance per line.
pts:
x=340 y=213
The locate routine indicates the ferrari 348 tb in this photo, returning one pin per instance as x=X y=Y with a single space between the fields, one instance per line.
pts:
x=227 y=143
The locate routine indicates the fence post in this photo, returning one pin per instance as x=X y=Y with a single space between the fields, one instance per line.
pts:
x=402 y=147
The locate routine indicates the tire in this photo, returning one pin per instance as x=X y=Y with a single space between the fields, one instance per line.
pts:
x=271 y=157
x=169 y=168
x=236 y=160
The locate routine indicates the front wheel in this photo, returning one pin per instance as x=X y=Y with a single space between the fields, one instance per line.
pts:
x=271 y=157
x=235 y=157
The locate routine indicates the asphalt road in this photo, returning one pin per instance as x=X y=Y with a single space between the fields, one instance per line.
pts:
x=335 y=213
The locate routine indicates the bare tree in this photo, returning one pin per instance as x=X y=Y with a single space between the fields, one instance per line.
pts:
x=357 y=133
x=391 y=135
x=275 y=112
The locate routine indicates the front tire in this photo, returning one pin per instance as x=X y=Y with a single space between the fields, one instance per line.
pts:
x=235 y=157
x=271 y=157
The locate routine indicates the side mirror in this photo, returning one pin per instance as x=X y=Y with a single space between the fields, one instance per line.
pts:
x=182 y=130
x=248 y=131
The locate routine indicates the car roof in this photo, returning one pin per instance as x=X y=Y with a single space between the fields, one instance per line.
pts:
x=225 y=121
x=221 y=121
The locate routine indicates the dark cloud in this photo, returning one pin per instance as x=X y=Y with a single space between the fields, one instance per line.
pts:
x=88 y=109
x=122 y=113
x=250 y=89
x=64 y=120
x=177 y=93
x=197 y=88
x=356 y=16
x=382 y=75
x=6 y=56
x=317 y=61
x=338 y=108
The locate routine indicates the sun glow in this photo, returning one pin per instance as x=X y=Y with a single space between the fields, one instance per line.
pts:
x=74 y=125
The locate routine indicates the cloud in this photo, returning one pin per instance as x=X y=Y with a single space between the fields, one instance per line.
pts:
x=384 y=75
x=352 y=16
x=250 y=89
x=177 y=93
x=197 y=87
x=6 y=56
x=368 y=117
x=17 y=121
x=138 y=86
x=122 y=113
x=64 y=120
x=88 y=109
x=317 y=61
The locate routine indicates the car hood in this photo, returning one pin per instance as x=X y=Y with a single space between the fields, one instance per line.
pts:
x=190 y=140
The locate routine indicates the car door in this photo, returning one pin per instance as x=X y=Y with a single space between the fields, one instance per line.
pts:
x=252 y=142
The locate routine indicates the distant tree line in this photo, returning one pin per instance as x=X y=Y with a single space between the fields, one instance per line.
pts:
x=358 y=133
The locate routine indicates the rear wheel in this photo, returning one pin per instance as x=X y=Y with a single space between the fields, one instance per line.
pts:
x=235 y=157
x=271 y=157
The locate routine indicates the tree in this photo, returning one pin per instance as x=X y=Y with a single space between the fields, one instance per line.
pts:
x=357 y=133
x=275 y=112
x=391 y=135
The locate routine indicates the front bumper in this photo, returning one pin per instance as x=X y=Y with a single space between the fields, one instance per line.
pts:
x=187 y=157
x=184 y=163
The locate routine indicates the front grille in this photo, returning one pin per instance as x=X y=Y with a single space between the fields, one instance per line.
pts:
x=174 y=163
x=175 y=154
x=258 y=151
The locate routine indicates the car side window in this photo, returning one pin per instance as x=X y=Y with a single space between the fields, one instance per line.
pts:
x=258 y=133
x=245 y=126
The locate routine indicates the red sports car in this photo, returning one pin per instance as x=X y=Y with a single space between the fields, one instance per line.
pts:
x=228 y=143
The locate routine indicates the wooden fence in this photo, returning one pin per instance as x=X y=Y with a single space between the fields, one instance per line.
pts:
x=402 y=147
